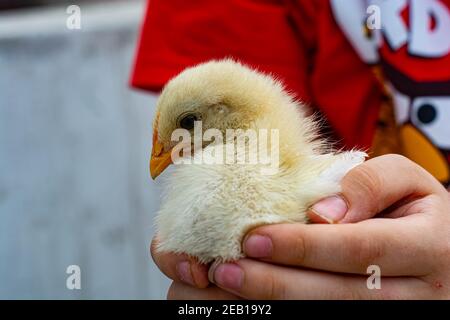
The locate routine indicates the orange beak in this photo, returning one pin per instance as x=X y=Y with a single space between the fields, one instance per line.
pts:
x=420 y=150
x=159 y=160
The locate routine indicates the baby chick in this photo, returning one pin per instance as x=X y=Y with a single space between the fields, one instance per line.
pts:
x=208 y=208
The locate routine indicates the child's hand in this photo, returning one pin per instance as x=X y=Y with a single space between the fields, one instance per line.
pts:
x=409 y=240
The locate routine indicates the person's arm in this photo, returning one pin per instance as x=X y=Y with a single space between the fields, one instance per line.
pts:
x=398 y=218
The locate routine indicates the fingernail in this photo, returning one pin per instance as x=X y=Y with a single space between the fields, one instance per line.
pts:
x=257 y=246
x=227 y=275
x=184 y=272
x=332 y=209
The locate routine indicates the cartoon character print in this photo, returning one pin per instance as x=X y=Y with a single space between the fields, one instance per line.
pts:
x=410 y=55
x=425 y=129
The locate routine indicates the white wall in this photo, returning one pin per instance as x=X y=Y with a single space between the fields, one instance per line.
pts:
x=74 y=150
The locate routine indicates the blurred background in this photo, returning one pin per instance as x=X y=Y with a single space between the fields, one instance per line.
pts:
x=74 y=149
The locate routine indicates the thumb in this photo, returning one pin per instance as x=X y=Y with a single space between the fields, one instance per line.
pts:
x=372 y=187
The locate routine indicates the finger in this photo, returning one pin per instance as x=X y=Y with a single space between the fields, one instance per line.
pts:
x=374 y=186
x=398 y=246
x=253 y=279
x=180 y=267
x=314 y=217
x=180 y=291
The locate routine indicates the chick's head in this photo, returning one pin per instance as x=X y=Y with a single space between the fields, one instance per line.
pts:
x=222 y=95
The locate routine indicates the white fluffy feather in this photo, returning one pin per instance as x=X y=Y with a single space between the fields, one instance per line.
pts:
x=207 y=209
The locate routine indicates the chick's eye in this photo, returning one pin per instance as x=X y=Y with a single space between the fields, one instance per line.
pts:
x=187 y=122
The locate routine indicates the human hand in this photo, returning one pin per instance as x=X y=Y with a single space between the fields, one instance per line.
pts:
x=409 y=241
x=190 y=277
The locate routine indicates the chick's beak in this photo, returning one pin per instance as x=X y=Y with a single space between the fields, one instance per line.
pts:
x=160 y=159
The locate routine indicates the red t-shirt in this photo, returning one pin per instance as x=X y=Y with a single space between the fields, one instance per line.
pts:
x=332 y=55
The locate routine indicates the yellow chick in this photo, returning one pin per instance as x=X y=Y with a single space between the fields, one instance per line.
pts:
x=209 y=205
